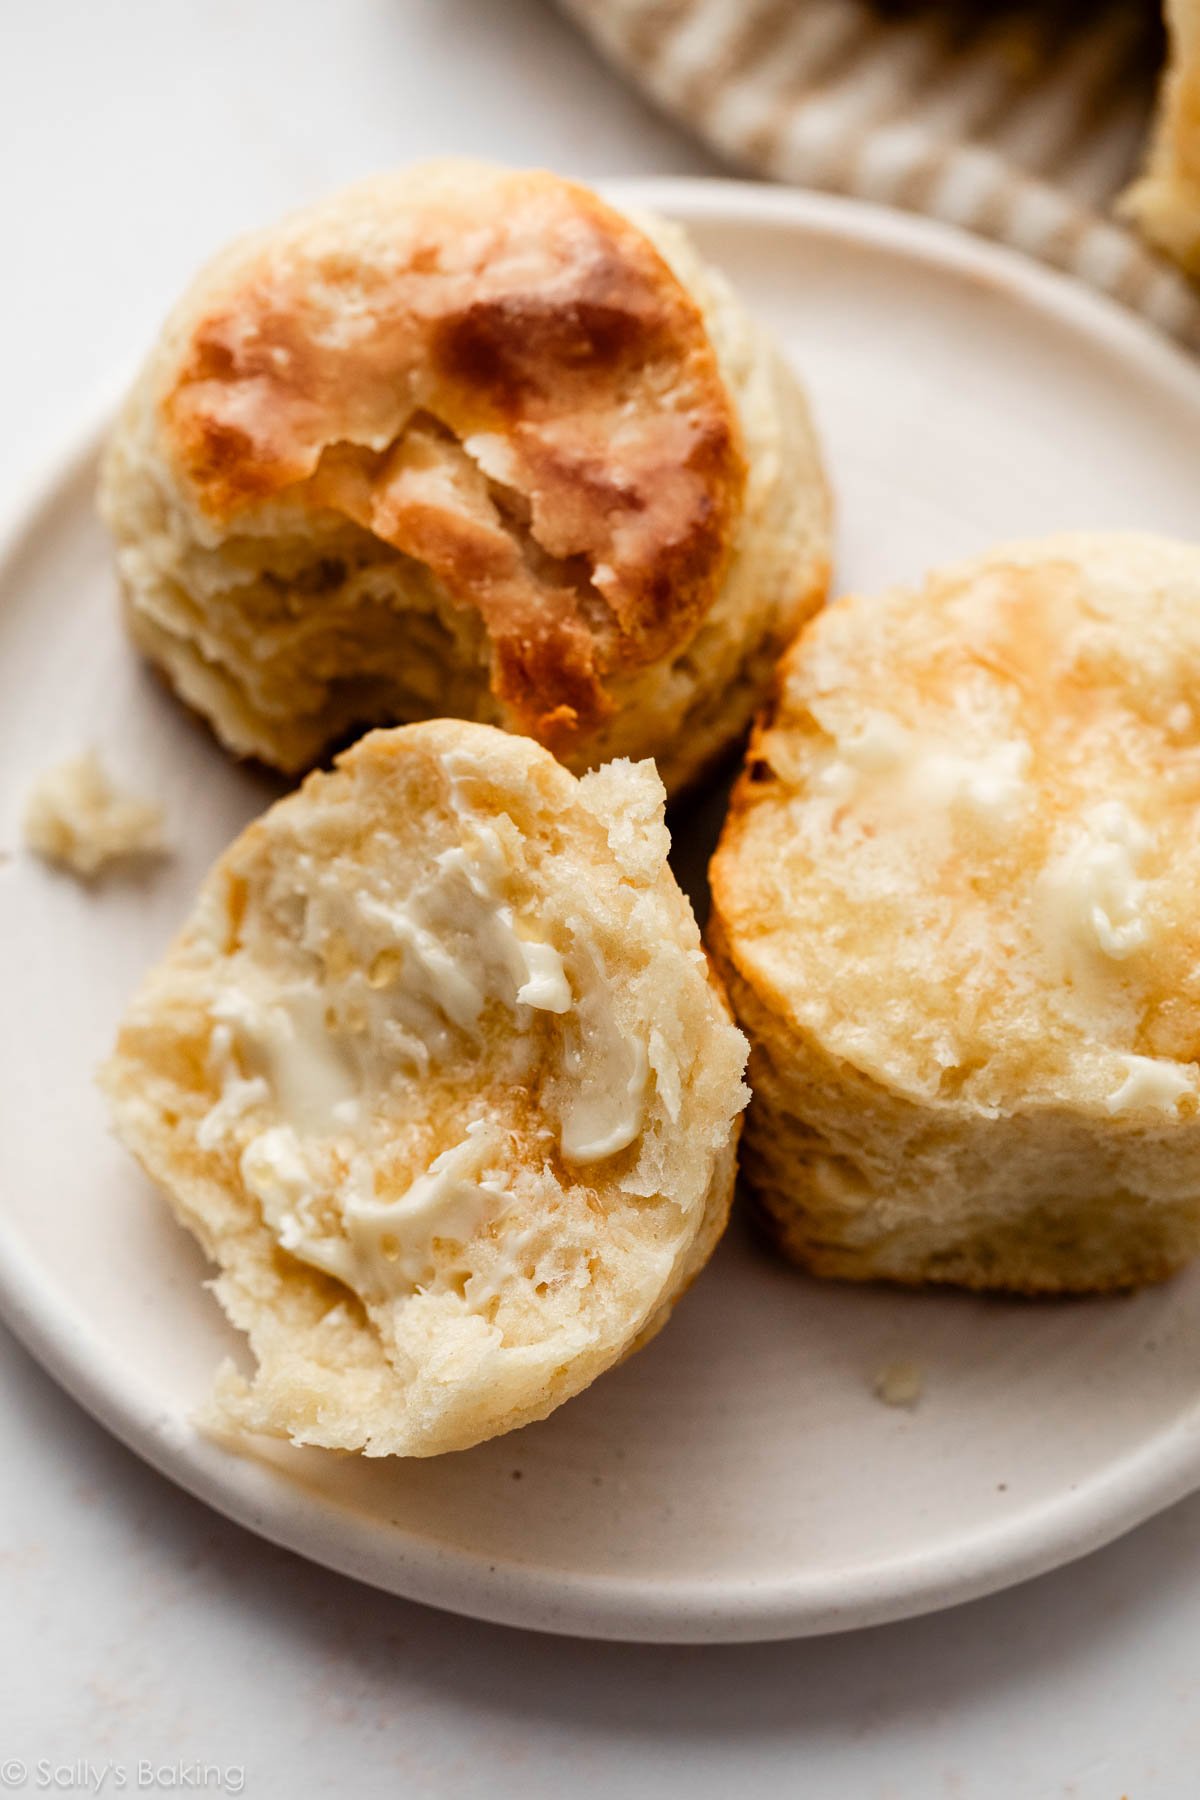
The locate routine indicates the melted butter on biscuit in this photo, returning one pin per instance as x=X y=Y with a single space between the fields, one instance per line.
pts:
x=307 y=1068
x=378 y=1245
x=924 y=776
x=1150 y=1082
x=401 y=982
x=1089 y=902
x=607 y=1073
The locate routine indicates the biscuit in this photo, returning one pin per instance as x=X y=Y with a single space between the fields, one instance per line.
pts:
x=955 y=907
x=1165 y=201
x=467 y=441
x=439 y=1076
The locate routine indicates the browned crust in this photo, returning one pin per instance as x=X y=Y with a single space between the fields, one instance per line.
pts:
x=355 y=360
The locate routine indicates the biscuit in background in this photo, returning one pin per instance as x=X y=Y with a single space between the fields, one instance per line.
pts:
x=955 y=907
x=438 y=1074
x=1165 y=201
x=466 y=440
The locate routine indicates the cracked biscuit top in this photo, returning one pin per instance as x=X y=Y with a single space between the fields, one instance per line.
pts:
x=493 y=373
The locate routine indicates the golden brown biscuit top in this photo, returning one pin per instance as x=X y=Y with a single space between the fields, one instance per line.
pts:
x=498 y=375
x=965 y=847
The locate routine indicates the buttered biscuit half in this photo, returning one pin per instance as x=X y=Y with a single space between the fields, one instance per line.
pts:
x=438 y=1074
x=955 y=906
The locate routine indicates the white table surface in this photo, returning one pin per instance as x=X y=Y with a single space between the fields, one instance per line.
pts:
x=135 y=1626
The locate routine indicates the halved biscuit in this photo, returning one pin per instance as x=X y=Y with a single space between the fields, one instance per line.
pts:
x=439 y=1076
x=955 y=906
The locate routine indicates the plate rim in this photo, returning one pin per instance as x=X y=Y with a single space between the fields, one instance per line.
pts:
x=275 y=1506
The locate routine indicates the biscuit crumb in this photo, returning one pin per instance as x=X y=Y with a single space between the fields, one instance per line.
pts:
x=899 y=1384
x=77 y=819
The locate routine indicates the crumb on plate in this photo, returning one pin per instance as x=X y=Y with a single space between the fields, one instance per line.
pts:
x=899 y=1383
x=76 y=818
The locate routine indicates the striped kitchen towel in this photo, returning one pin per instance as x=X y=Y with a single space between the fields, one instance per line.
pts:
x=1015 y=121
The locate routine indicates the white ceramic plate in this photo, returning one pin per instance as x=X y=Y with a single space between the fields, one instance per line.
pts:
x=738 y=1479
